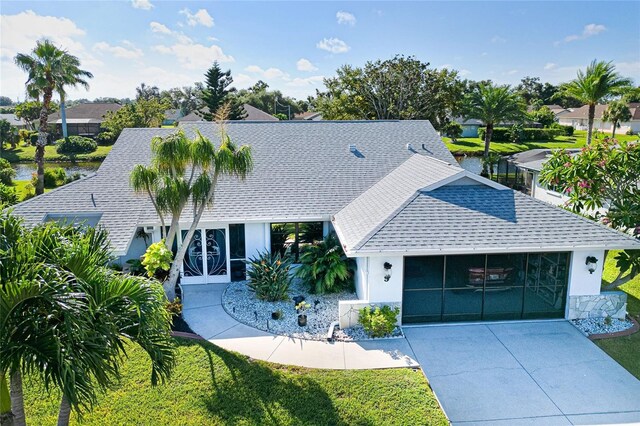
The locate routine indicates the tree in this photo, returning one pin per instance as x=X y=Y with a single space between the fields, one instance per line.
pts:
x=397 y=88
x=215 y=94
x=543 y=115
x=271 y=101
x=92 y=312
x=530 y=90
x=616 y=112
x=184 y=171
x=141 y=113
x=493 y=105
x=452 y=130
x=5 y=101
x=604 y=174
x=147 y=93
x=5 y=133
x=599 y=82
x=29 y=111
x=73 y=76
x=632 y=94
x=49 y=69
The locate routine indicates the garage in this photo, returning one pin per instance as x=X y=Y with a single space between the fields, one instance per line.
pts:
x=478 y=287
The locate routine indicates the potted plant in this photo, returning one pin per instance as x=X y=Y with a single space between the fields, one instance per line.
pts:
x=302 y=316
x=276 y=315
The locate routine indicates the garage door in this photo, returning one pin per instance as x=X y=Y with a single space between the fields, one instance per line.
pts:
x=485 y=287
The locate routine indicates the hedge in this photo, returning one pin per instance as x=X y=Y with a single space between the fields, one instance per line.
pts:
x=75 y=145
x=566 y=130
x=503 y=134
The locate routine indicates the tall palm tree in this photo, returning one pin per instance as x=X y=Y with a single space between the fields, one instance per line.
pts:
x=616 y=112
x=49 y=69
x=599 y=82
x=493 y=105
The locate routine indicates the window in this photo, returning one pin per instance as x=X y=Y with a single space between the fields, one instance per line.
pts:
x=291 y=236
x=238 y=252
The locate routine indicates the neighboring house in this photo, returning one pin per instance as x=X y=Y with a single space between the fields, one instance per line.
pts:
x=441 y=242
x=13 y=120
x=579 y=119
x=470 y=126
x=253 y=114
x=171 y=117
x=555 y=109
x=82 y=119
x=308 y=115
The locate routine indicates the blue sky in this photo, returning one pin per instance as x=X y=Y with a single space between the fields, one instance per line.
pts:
x=293 y=45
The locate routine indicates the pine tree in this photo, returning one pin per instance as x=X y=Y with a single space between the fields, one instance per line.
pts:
x=216 y=94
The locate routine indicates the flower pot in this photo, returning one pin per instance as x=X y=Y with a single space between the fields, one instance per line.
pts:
x=302 y=320
x=276 y=315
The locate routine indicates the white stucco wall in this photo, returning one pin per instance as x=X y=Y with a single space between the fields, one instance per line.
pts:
x=361 y=278
x=542 y=193
x=378 y=290
x=582 y=123
x=581 y=282
x=254 y=238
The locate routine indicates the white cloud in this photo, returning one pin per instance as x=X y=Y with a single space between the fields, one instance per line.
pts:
x=131 y=52
x=269 y=73
x=142 y=4
x=157 y=27
x=194 y=55
x=201 y=17
x=305 y=65
x=346 y=18
x=333 y=45
x=304 y=82
x=629 y=69
x=550 y=66
x=511 y=72
x=464 y=72
x=498 y=39
x=589 y=30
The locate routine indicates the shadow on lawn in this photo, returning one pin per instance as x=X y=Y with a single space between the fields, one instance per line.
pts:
x=258 y=394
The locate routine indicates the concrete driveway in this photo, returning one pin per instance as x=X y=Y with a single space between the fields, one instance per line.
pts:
x=543 y=372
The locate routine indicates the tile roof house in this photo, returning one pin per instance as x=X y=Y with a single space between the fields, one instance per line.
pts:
x=13 y=120
x=83 y=119
x=579 y=118
x=253 y=114
x=444 y=243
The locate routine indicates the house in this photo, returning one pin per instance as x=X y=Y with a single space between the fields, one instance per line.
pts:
x=579 y=119
x=441 y=242
x=171 y=116
x=13 y=120
x=557 y=110
x=470 y=126
x=82 y=119
x=308 y=115
x=253 y=114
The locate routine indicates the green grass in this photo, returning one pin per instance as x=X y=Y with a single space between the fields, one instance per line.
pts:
x=475 y=146
x=27 y=153
x=625 y=350
x=212 y=386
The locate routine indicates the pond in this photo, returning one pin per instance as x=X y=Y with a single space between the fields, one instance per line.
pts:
x=24 y=171
x=473 y=164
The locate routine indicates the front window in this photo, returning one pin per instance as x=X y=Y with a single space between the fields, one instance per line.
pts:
x=290 y=237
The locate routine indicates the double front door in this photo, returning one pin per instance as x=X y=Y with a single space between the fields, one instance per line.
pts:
x=206 y=260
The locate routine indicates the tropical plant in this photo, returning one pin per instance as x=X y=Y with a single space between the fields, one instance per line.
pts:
x=604 y=174
x=7 y=173
x=8 y=196
x=157 y=258
x=91 y=312
x=616 y=112
x=378 y=321
x=324 y=267
x=493 y=105
x=599 y=82
x=543 y=115
x=269 y=276
x=49 y=70
x=490 y=162
x=186 y=170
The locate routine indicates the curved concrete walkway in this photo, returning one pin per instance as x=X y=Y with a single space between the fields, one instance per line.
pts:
x=202 y=309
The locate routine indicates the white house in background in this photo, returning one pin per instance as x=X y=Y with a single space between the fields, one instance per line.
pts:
x=579 y=119
x=441 y=242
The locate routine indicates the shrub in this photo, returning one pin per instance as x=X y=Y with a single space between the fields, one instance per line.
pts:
x=33 y=139
x=157 y=259
x=452 y=130
x=8 y=195
x=6 y=172
x=174 y=308
x=324 y=266
x=54 y=177
x=566 y=130
x=630 y=132
x=269 y=276
x=379 y=322
x=75 y=145
x=503 y=134
x=105 y=138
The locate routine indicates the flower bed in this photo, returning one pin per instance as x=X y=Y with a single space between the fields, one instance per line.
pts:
x=242 y=304
x=591 y=326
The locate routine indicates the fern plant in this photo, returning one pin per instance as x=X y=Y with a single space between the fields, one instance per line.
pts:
x=324 y=266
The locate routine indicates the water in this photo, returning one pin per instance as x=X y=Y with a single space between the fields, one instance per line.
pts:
x=24 y=171
x=473 y=164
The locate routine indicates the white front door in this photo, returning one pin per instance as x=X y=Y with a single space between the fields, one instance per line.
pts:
x=207 y=259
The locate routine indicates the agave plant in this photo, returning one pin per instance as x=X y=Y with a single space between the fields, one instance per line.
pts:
x=324 y=266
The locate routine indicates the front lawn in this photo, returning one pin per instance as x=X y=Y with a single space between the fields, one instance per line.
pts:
x=212 y=386
x=27 y=153
x=475 y=146
x=625 y=350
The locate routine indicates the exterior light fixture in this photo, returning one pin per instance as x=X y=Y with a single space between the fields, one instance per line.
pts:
x=591 y=264
x=387 y=271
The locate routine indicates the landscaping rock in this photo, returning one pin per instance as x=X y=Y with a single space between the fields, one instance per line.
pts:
x=598 y=326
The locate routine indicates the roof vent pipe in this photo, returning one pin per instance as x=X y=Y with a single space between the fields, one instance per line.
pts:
x=352 y=147
x=409 y=147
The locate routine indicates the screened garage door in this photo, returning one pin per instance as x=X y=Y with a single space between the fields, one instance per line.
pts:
x=484 y=287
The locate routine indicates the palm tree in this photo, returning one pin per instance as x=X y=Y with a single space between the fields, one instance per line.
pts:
x=73 y=77
x=599 y=82
x=616 y=112
x=493 y=105
x=49 y=69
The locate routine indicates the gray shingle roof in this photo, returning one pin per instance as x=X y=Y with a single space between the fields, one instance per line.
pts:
x=12 y=119
x=91 y=110
x=303 y=170
x=468 y=219
x=253 y=114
